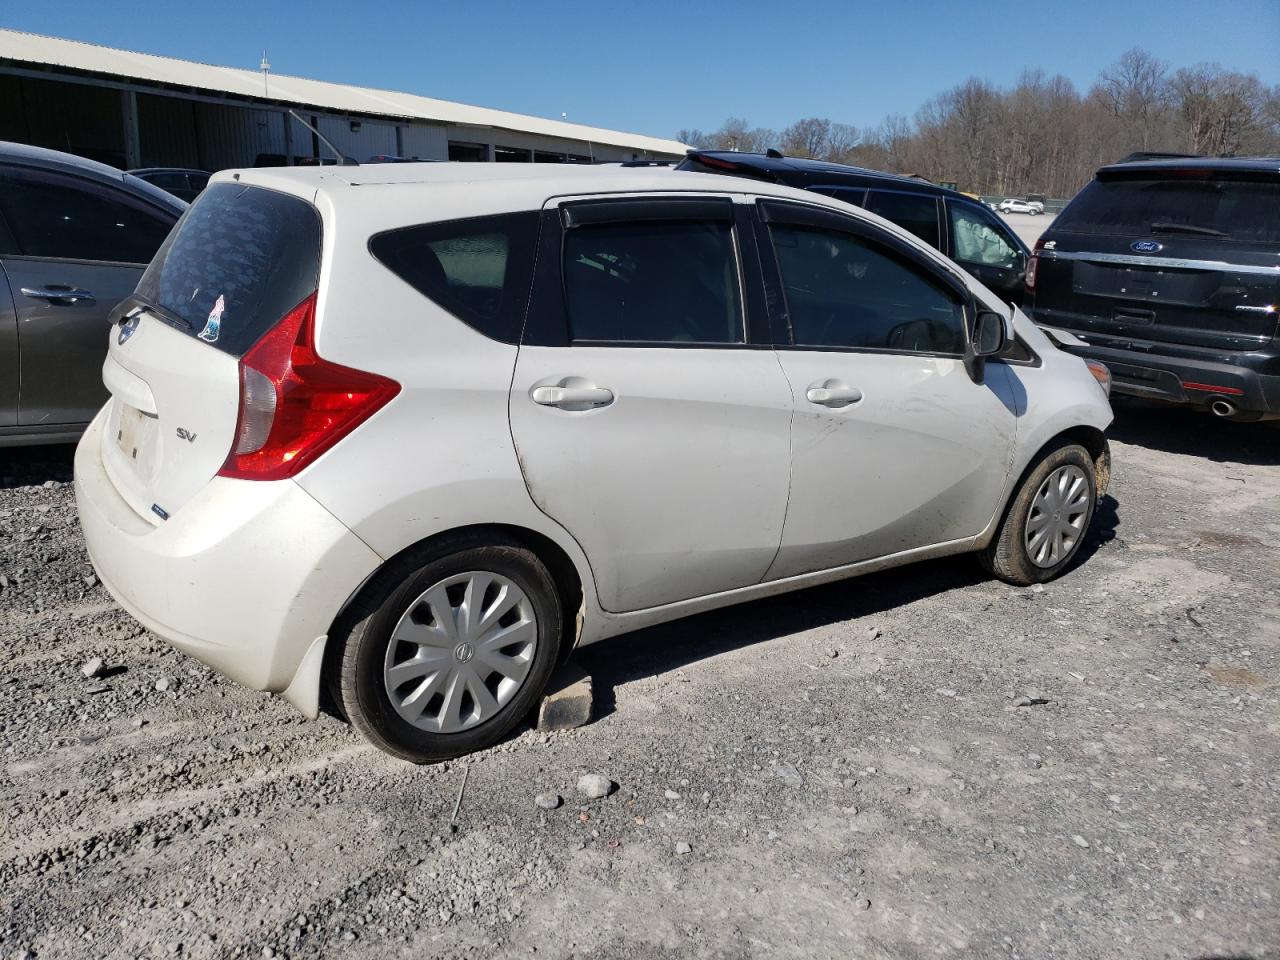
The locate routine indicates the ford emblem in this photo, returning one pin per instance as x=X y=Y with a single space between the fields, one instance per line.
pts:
x=127 y=326
x=1146 y=246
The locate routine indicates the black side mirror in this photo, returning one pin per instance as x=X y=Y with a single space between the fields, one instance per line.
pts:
x=988 y=339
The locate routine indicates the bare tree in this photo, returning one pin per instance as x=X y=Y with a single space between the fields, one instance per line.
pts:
x=806 y=138
x=842 y=141
x=693 y=137
x=1042 y=135
x=1136 y=91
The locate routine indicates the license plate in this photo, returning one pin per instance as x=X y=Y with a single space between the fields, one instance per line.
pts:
x=134 y=432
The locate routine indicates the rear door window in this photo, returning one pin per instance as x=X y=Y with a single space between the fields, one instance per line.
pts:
x=913 y=212
x=1247 y=210
x=653 y=281
x=240 y=258
x=58 y=217
x=479 y=269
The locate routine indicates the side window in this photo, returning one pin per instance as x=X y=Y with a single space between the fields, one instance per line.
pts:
x=847 y=194
x=62 y=218
x=846 y=292
x=978 y=239
x=478 y=269
x=913 y=212
x=653 y=281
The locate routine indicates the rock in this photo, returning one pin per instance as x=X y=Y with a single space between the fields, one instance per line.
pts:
x=1080 y=841
x=1037 y=588
x=683 y=848
x=99 y=688
x=788 y=774
x=90 y=580
x=139 y=722
x=671 y=794
x=945 y=692
x=162 y=684
x=834 y=653
x=548 y=801
x=593 y=786
x=567 y=702
x=873 y=633
x=92 y=668
x=862 y=905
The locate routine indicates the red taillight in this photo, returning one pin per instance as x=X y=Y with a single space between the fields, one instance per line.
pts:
x=1034 y=262
x=294 y=404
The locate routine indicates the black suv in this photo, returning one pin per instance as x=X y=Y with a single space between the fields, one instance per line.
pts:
x=1170 y=271
x=959 y=226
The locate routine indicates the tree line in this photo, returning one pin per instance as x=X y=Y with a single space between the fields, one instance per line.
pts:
x=1043 y=135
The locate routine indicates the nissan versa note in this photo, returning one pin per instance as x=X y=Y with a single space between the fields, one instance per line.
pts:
x=405 y=435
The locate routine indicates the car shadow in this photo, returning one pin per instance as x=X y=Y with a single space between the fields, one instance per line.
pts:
x=1181 y=430
x=32 y=466
x=666 y=648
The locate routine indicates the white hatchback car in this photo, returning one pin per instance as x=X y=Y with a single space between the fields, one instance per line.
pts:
x=1020 y=206
x=406 y=435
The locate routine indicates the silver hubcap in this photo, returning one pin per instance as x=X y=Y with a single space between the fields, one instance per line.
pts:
x=460 y=652
x=1057 y=517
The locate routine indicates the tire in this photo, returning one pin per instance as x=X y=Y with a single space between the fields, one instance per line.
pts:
x=431 y=706
x=1010 y=556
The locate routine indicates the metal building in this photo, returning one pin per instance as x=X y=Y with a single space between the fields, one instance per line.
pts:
x=138 y=110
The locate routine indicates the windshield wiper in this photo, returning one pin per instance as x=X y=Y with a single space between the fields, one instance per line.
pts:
x=1162 y=226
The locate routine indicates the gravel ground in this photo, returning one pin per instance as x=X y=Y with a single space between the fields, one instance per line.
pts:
x=921 y=763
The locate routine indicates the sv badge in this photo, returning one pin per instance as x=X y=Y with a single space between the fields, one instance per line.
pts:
x=187 y=435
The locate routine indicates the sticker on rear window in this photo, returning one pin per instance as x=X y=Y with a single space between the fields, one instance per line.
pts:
x=214 y=323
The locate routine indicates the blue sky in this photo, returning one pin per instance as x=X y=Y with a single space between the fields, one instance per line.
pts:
x=654 y=66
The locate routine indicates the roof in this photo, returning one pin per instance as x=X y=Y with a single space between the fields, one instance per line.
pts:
x=818 y=172
x=1218 y=164
x=22 y=154
x=76 y=55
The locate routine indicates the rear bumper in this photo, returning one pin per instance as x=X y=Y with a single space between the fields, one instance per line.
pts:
x=1186 y=379
x=245 y=577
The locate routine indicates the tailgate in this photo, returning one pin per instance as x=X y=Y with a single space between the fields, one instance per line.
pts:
x=237 y=262
x=1171 y=298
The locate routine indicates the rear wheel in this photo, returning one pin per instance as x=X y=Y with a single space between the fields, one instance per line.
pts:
x=1047 y=520
x=450 y=649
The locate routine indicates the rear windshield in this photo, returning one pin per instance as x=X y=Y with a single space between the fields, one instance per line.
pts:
x=240 y=259
x=1247 y=210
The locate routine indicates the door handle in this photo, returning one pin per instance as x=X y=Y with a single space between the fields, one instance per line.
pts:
x=56 y=293
x=832 y=393
x=579 y=398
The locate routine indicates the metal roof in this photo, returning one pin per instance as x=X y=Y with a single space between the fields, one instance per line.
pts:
x=76 y=55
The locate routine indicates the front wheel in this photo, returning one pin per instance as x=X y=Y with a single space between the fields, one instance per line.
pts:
x=449 y=649
x=1047 y=519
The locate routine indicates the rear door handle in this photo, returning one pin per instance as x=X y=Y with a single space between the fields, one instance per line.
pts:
x=572 y=398
x=57 y=293
x=833 y=393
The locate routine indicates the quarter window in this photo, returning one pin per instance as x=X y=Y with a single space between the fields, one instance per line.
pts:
x=913 y=212
x=478 y=269
x=846 y=292
x=57 y=218
x=652 y=281
x=978 y=240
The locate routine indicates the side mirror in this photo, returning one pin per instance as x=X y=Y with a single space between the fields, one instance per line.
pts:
x=988 y=339
x=989 y=335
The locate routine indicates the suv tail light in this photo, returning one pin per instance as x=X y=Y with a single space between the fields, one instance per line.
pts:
x=1034 y=262
x=294 y=404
